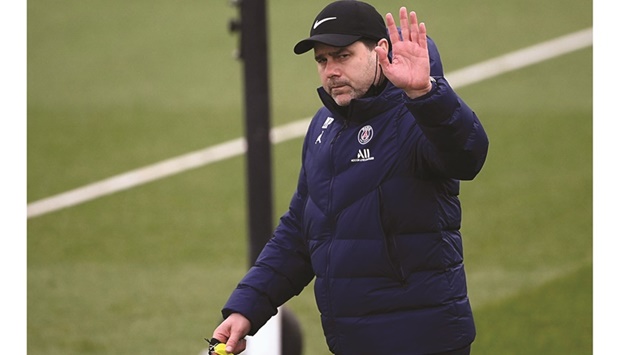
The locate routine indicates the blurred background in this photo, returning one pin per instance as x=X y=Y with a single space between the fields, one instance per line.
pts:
x=117 y=85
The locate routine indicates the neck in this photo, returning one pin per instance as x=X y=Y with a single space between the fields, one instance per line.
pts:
x=376 y=87
x=377 y=81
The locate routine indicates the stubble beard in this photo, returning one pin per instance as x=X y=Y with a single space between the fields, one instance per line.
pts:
x=343 y=92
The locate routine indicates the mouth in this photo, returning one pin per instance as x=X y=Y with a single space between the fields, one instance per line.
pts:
x=336 y=84
x=337 y=88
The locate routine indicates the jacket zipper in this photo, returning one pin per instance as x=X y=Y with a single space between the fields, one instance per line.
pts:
x=333 y=164
x=329 y=210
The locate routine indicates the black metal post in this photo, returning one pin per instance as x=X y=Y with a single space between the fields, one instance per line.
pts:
x=253 y=53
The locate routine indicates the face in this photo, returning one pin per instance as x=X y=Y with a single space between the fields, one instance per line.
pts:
x=346 y=72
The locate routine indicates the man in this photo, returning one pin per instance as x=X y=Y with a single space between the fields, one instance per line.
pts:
x=376 y=216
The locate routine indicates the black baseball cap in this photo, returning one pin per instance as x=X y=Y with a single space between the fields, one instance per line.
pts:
x=343 y=22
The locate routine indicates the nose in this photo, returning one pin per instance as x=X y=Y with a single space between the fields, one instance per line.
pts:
x=332 y=69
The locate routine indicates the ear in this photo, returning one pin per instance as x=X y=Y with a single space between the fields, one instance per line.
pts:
x=383 y=43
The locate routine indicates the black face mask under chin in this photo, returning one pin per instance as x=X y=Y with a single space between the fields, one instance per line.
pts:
x=374 y=90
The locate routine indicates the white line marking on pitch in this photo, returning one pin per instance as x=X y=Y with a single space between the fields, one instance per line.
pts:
x=466 y=76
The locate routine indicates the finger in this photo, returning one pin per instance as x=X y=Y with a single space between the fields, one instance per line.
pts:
x=422 y=40
x=232 y=341
x=240 y=346
x=404 y=24
x=231 y=345
x=237 y=348
x=414 y=26
x=236 y=341
x=221 y=334
x=391 y=25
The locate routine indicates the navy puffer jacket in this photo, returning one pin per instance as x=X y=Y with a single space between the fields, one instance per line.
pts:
x=376 y=220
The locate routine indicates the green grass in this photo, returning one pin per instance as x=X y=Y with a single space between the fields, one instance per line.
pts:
x=116 y=85
x=550 y=319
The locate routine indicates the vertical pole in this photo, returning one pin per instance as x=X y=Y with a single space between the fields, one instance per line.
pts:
x=258 y=158
x=270 y=339
x=256 y=77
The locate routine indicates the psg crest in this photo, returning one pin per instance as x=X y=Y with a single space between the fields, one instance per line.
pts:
x=365 y=134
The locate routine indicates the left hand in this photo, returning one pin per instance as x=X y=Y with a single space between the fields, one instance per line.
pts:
x=410 y=67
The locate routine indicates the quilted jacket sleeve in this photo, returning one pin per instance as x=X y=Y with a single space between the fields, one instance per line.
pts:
x=281 y=271
x=455 y=144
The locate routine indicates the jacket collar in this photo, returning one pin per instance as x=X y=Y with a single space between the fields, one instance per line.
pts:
x=365 y=108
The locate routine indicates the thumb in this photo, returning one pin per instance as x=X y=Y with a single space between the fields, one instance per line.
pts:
x=236 y=341
x=235 y=344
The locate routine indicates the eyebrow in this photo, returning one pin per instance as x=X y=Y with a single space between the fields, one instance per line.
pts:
x=331 y=54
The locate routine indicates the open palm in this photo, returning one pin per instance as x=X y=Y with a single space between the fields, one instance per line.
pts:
x=410 y=66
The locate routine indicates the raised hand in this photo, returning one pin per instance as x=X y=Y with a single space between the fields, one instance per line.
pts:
x=410 y=66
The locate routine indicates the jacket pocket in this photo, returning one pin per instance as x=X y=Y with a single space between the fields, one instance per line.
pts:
x=390 y=241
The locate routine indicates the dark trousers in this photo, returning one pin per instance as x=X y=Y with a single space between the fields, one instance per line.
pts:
x=462 y=351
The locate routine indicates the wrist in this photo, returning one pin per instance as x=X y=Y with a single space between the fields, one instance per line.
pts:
x=413 y=94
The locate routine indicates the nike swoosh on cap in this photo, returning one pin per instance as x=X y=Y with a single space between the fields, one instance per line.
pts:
x=317 y=23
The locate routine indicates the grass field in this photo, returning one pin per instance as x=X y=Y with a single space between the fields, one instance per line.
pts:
x=116 y=85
